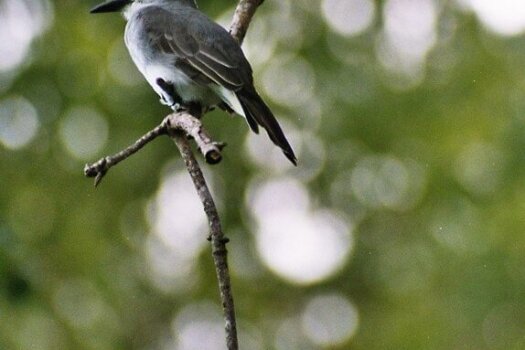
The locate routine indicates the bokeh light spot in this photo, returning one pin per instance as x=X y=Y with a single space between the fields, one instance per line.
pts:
x=289 y=81
x=37 y=330
x=79 y=303
x=22 y=21
x=284 y=218
x=199 y=327
x=169 y=271
x=84 y=132
x=503 y=17
x=176 y=215
x=18 y=122
x=330 y=320
x=386 y=181
x=348 y=17
x=290 y=336
x=179 y=225
x=456 y=224
x=409 y=33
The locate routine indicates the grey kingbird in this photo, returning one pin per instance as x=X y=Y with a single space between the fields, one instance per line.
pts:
x=187 y=58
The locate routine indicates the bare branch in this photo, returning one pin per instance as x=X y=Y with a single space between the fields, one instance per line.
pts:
x=242 y=18
x=182 y=120
x=218 y=240
x=101 y=167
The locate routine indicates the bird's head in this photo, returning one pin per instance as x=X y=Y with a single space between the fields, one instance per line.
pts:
x=120 y=5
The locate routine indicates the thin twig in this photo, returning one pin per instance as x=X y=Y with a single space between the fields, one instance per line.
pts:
x=101 y=167
x=218 y=240
x=192 y=126
x=242 y=18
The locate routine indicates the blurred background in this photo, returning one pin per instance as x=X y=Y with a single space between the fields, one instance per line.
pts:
x=401 y=228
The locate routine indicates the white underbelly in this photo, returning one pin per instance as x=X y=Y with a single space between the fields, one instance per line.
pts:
x=185 y=88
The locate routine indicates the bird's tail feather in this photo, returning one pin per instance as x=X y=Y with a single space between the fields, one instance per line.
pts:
x=255 y=109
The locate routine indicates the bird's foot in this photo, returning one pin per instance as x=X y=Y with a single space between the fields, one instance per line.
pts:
x=177 y=107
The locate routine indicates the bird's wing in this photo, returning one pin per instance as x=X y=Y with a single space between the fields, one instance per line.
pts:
x=202 y=49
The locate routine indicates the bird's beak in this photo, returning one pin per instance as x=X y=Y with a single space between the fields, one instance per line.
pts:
x=110 y=6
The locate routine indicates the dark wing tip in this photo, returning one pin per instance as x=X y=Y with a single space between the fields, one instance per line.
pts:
x=257 y=112
x=291 y=156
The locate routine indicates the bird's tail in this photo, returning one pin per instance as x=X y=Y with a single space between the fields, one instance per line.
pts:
x=257 y=111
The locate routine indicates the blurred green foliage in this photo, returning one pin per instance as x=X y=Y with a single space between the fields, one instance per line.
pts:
x=421 y=157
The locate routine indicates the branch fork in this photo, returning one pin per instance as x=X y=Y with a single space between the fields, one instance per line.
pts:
x=181 y=121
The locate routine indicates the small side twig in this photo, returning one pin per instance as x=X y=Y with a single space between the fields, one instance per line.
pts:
x=101 y=167
x=182 y=120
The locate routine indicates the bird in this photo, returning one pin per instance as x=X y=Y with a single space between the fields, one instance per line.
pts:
x=189 y=59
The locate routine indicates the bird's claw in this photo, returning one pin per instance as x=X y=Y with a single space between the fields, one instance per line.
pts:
x=177 y=107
